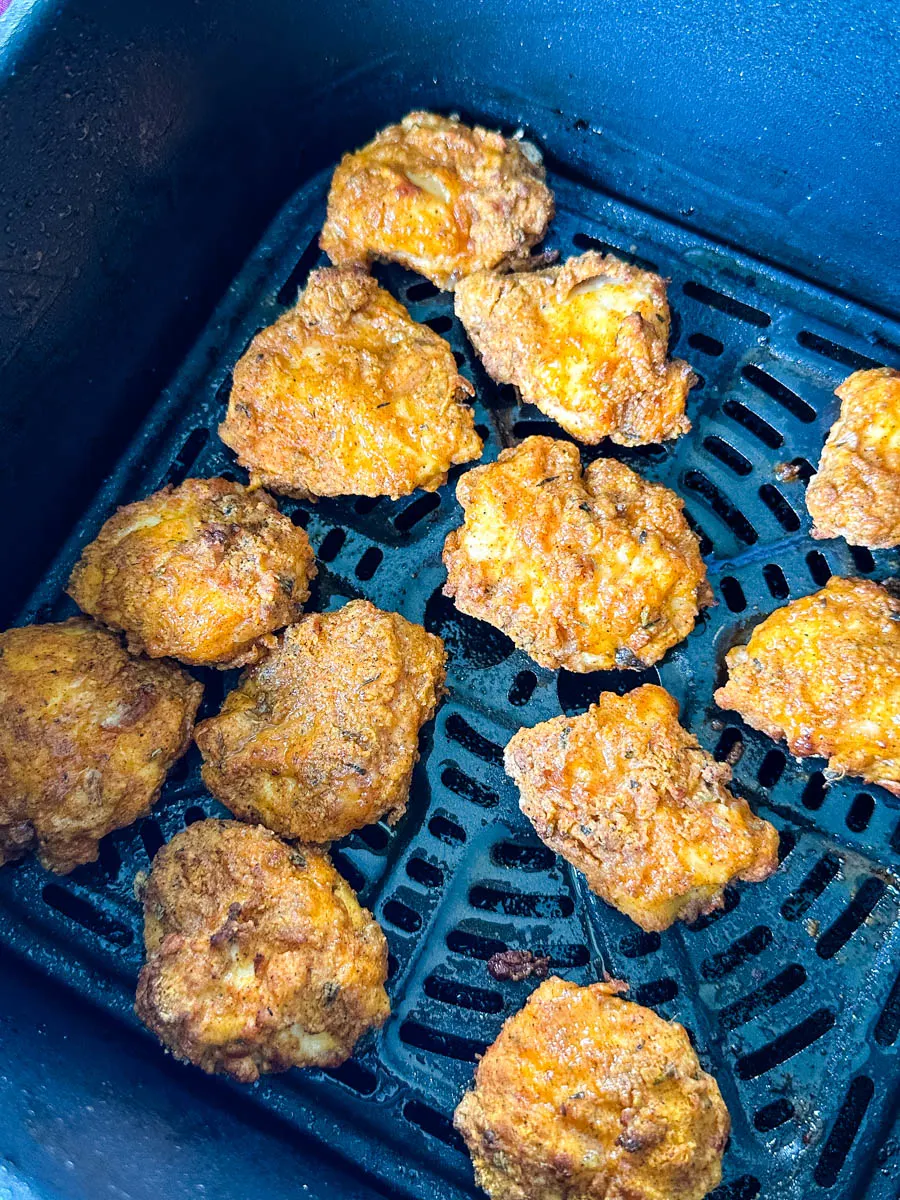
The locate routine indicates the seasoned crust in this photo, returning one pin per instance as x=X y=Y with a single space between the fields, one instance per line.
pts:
x=259 y=957
x=824 y=674
x=87 y=736
x=856 y=491
x=628 y=796
x=586 y=1095
x=585 y=572
x=322 y=737
x=203 y=572
x=586 y=342
x=347 y=395
x=439 y=197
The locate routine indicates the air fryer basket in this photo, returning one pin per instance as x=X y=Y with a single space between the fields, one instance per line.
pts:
x=791 y=993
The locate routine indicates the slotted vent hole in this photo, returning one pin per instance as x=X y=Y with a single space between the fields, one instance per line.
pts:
x=402 y=916
x=522 y=688
x=110 y=859
x=152 y=837
x=753 y=423
x=730 y=900
x=658 y=991
x=860 y=813
x=369 y=563
x=441 y=325
x=839 y=354
x=733 y=594
x=780 y=393
x=469 y=789
x=348 y=870
x=425 y=873
x=745 y=1188
x=449 y=1045
x=771 y=768
x=843 y=1134
x=289 y=290
x=782 y=985
x=776 y=582
x=639 y=944
x=446 y=831
x=772 y=1116
x=862 y=559
x=584 y=241
x=852 y=918
x=421 y=291
x=355 y=1076
x=779 y=507
x=520 y=904
x=521 y=858
x=433 y=1123
x=706 y=344
x=733 y=459
x=730 y=748
x=84 y=913
x=814 y=792
x=889 y=1022
x=461 y=995
x=460 y=731
x=193 y=814
x=697 y=482
x=363 y=505
x=787 y=1045
x=798 y=903
x=187 y=456
x=726 y=304
x=717 y=966
x=413 y=513
x=331 y=545
x=473 y=945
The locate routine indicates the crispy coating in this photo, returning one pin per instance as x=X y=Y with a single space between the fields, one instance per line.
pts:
x=628 y=796
x=87 y=736
x=347 y=395
x=824 y=674
x=586 y=1096
x=586 y=342
x=586 y=572
x=439 y=197
x=322 y=737
x=856 y=492
x=203 y=572
x=259 y=957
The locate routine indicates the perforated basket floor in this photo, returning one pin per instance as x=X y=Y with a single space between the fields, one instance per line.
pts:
x=792 y=993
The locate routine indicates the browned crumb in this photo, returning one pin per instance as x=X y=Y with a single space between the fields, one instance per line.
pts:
x=517 y=965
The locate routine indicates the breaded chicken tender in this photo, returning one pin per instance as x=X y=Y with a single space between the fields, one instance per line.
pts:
x=259 y=957
x=322 y=737
x=627 y=795
x=587 y=572
x=87 y=736
x=856 y=492
x=586 y=342
x=824 y=674
x=586 y=1096
x=347 y=395
x=203 y=572
x=439 y=197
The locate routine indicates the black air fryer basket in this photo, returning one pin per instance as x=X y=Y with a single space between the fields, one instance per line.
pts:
x=791 y=993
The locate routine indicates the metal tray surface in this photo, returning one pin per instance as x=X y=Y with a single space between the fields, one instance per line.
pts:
x=792 y=992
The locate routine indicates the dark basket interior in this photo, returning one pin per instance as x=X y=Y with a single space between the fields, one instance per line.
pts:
x=792 y=992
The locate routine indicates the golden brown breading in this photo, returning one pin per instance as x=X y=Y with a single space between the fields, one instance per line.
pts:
x=203 y=572
x=585 y=572
x=321 y=738
x=586 y=342
x=259 y=957
x=627 y=795
x=824 y=674
x=856 y=492
x=347 y=395
x=586 y=1096
x=87 y=736
x=439 y=197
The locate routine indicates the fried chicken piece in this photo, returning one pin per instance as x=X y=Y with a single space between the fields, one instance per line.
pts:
x=585 y=1095
x=439 y=197
x=585 y=572
x=856 y=492
x=824 y=674
x=347 y=395
x=628 y=796
x=87 y=736
x=259 y=957
x=322 y=737
x=203 y=572
x=586 y=342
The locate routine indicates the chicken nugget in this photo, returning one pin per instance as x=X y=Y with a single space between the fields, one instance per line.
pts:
x=824 y=674
x=259 y=957
x=203 y=572
x=439 y=197
x=586 y=342
x=856 y=492
x=587 y=572
x=347 y=395
x=628 y=796
x=585 y=1095
x=322 y=737
x=87 y=737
